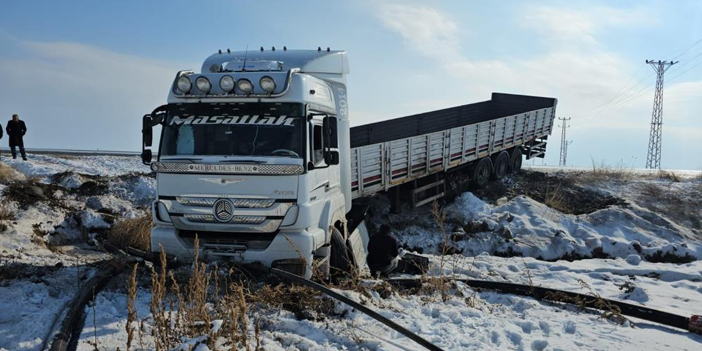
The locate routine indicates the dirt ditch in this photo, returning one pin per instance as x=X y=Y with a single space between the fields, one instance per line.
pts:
x=554 y=190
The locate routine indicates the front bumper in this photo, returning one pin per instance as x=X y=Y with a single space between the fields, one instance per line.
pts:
x=286 y=247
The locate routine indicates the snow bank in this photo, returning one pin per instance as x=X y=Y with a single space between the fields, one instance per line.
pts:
x=528 y=228
x=45 y=165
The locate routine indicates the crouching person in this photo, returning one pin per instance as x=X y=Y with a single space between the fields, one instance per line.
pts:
x=382 y=252
x=385 y=257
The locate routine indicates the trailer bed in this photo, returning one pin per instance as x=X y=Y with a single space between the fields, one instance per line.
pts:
x=390 y=153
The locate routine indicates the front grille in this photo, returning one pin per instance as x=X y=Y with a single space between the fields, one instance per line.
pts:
x=216 y=241
x=201 y=218
x=239 y=203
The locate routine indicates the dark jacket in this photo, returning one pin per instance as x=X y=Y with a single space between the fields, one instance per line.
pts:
x=16 y=130
x=382 y=249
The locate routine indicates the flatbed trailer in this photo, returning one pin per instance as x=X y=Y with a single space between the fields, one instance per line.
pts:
x=391 y=153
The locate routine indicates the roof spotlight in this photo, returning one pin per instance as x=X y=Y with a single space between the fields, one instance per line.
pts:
x=226 y=83
x=244 y=85
x=203 y=84
x=267 y=84
x=184 y=84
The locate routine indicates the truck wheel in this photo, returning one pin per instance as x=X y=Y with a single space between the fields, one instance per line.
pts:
x=515 y=160
x=481 y=172
x=500 y=166
x=339 y=257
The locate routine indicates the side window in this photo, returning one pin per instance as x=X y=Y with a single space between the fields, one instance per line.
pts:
x=317 y=145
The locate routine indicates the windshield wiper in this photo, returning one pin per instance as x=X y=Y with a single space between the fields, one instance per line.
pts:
x=183 y=159
x=242 y=161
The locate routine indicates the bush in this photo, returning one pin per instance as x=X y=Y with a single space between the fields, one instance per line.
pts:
x=134 y=233
x=9 y=174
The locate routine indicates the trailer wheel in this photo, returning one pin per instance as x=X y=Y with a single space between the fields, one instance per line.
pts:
x=515 y=160
x=339 y=259
x=481 y=172
x=500 y=166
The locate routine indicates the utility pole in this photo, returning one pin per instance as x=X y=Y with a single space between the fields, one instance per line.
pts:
x=564 y=143
x=653 y=159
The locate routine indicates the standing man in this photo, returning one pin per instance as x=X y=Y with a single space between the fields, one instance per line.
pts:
x=0 y=131
x=15 y=131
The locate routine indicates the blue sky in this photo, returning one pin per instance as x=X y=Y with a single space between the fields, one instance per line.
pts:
x=81 y=73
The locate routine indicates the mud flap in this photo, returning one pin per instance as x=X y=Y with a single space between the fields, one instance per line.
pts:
x=358 y=243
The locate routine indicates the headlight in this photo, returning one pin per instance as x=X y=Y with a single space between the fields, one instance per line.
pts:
x=245 y=85
x=267 y=84
x=184 y=84
x=203 y=84
x=226 y=83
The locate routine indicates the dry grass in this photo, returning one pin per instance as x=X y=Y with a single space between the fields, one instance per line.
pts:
x=669 y=176
x=134 y=233
x=131 y=310
x=441 y=283
x=607 y=172
x=191 y=310
x=6 y=213
x=653 y=191
x=9 y=174
x=609 y=311
x=555 y=198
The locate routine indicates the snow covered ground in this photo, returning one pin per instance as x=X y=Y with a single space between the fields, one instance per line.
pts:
x=46 y=250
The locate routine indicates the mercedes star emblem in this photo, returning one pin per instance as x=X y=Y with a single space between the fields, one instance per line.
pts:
x=223 y=210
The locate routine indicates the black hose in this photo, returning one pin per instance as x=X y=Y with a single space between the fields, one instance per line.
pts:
x=69 y=330
x=590 y=301
x=375 y=315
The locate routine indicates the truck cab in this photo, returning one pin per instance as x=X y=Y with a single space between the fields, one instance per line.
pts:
x=248 y=161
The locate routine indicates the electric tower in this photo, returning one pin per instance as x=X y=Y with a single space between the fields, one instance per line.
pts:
x=564 y=143
x=653 y=159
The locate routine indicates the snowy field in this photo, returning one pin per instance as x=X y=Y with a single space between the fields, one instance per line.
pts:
x=631 y=237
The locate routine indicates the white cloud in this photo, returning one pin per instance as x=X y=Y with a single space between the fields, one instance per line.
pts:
x=73 y=95
x=427 y=30
x=576 y=28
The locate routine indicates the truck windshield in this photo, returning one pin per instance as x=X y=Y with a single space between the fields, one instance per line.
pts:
x=253 y=129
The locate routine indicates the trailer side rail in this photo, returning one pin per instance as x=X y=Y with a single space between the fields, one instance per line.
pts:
x=379 y=167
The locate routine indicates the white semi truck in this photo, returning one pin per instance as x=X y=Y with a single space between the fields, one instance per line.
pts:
x=257 y=158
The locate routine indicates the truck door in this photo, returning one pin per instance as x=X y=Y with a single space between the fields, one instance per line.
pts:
x=325 y=176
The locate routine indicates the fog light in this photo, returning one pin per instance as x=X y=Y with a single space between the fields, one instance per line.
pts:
x=184 y=84
x=267 y=84
x=227 y=83
x=203 y=84
x=244 y=85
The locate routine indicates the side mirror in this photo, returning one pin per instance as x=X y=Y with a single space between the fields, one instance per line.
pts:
x=310 y=166
x=331 y=134
x=147 y=131
x=146 y=156
x=331 y=158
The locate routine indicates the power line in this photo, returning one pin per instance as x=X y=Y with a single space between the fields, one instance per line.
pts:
x=653 y=159
x=625 y=95
x=688 y=49
x=630 y=96
x=564 y=143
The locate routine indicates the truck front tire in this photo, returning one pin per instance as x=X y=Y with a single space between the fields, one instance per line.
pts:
x=339 y=260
